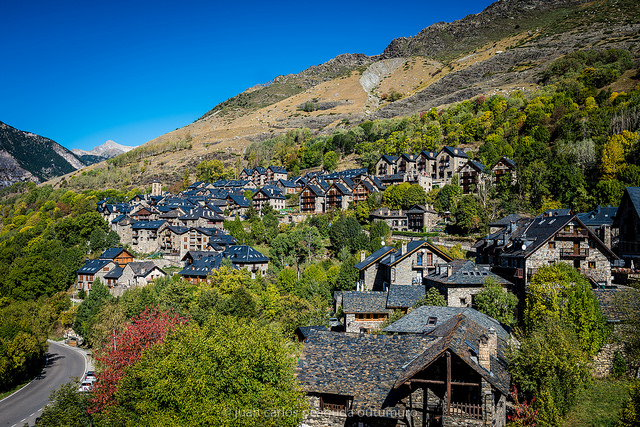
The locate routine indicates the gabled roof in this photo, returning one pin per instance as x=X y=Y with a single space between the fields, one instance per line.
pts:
x=203 y=266
x=112 y=253
x=272 y=192
x=364 y=302
x=241 y=201
x=115 y=274
x=389 y=159
x=244 y=254
x=342 y=188
x=603 y=215
x=465 y=273
x=92 y=266
x=143 y=268
x=461 y=335
x=278 y=169
x=417 y=321
x=412 y=247
x=408 y=157
x=363 y=367
x=428 y=154
x=454 y=152
x=508 y=161
x=348 y=182
x=503 y=222
x=286 y=183
x=223 y=240
x=315 y=190
x=631 y=198
x=374 y=257
x=404 y=296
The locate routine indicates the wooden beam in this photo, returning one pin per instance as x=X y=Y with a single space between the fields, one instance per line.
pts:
x=421 y=381
x=448 y=380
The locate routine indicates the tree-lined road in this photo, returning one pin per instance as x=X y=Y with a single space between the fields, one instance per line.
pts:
x=26 y=405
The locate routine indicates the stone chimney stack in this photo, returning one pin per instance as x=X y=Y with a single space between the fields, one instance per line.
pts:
x=403 y=247
x=449 y=270
x=363 y=255
x=487 y=347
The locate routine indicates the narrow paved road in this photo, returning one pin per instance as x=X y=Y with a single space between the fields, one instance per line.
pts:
x=25 y=405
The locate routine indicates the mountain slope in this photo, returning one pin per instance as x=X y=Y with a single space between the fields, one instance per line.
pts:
x=25 y=156
x=504 y=48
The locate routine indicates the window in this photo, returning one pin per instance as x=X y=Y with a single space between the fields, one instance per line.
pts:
x=552 y=245
x=592 y=264
x=431 y=321
x=419 y=261
x=333 y=402
x=463 y=302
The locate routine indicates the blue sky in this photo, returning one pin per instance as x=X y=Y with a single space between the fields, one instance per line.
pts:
x=82 y=73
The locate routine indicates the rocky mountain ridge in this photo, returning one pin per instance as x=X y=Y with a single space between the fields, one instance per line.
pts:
x=25 y=156
x=102 y=152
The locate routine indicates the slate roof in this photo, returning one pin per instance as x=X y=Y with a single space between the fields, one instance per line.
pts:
x=376 y=256
x=461 y=335
x=241 y=201
x=147 y=225
x=634 y=196
x=278 y=169
x=222 y=239
x=115 y=274
x=286 y=183
x=272 y=192
x=362 y=366
x=416 y=321
x=364 y=302
x=378 y=183
x=111 y=253
x=404 y=296
x=428 y=154
x=465 y=273
x=455 y=152
x=412 y=246
x=316 y=190
x=305 y=330
x=143 y=268
x=603 y=215
x=348 y=182
x=244 y=254
x=389 y=159
x=203 y=266
x=503 y=222
x=342 y=188
x=92 y=266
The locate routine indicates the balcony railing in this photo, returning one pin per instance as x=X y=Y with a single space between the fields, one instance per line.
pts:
x=465 y=410
x=423 y=264
x=573 y=234
x=574 y=253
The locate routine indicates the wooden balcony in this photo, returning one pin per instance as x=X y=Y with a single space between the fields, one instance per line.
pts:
x=573 y=234
x=574 y=253
x=424 y=264
x=465 y=410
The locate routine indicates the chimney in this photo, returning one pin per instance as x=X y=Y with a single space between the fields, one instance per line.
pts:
x=363 y=255
x=403 y=247
x=449 y=270
x=487 y=347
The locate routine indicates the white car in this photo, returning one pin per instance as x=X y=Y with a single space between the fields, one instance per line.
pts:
x=86 y=386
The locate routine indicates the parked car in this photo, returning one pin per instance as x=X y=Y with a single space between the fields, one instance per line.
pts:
x=86 y=386
x=90 y=375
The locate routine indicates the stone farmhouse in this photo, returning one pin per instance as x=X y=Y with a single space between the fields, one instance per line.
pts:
x=454 y=375
x=519 y=250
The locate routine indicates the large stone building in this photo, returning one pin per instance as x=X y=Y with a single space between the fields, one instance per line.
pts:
x=519 y=250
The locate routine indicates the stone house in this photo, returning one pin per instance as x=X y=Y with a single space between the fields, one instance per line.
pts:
x=372 y=278
x=386 y=165
x=287 y=187
x=469 y=175
x=201 y=268
x=453 y=376
x=600 y=221
x=403 y=297
x=503 y=167
x=518 y=251
x=628 y=223
x=364 y=311
x=91 y=270
x=271 y=195
x=362 y=190
x=426 y=163
x=201 y=217
x=122 y=226
x=406 y=163
x=244 y=256
x=460 y=280
x=144 y=236
x=396 y=220
x=237 y=205
x=171 y=239
x=275 y=173
x=140 y=273
x=338 y=196
x=422 y=218
x=312 y=198
x=120 y=256
x=448 y=161
x=415 y=260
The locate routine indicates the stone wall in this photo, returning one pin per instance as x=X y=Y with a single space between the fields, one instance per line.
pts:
x=546 y=255
x=353 y=325
x=603 y=361
x=454 y=296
